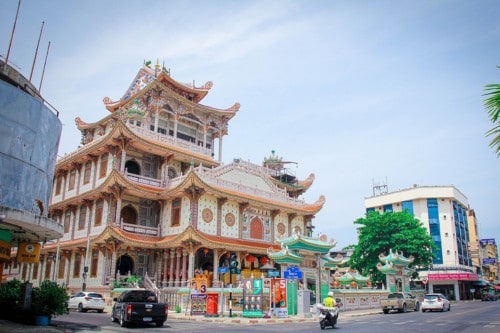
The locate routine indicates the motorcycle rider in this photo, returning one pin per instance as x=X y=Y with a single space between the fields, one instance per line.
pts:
x=329 y=302
x=329 y=312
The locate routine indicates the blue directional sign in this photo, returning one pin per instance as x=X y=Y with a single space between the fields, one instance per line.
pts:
x=223 y=269
x=273 y=273
x=292 y=272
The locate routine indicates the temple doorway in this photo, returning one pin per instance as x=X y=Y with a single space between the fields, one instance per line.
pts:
x=125 y=265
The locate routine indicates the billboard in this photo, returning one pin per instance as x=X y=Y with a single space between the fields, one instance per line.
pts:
x=279 y=306
x=252 y=297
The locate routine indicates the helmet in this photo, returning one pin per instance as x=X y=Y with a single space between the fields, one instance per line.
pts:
x=330 y=294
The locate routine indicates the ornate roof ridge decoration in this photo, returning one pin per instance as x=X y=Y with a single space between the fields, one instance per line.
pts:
x=284 y=256
x=82 y=125
x=120 y=128
x=308 y=181
x=348 y=278
x=387 y=268
x=146 y=76
x=222 y=188
x=396 y=258
x=304 y=243
x=329 y=262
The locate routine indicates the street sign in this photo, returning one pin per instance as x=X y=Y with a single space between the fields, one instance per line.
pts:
x=292 y=273
x=273 y=273
x=223 y=269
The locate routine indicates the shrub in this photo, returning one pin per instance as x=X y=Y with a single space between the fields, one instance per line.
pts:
x=10 y=295
x=49 y=299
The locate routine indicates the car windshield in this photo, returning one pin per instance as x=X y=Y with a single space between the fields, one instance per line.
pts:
x=431 y=297
x=94 y=295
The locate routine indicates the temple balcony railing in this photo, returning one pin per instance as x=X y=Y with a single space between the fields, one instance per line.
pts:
x=145 y=180
x=140 y=229
x=168 y=139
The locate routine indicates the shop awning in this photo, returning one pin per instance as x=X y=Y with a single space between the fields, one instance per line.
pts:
x=481 y=283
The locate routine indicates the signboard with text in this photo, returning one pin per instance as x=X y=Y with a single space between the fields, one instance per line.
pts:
x=487 y=241
x=28 y=252
x=489 y=261
x=453 y=276
x=292 y=272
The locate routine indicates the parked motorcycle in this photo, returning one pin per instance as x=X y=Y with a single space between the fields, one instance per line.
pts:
x=328 y=317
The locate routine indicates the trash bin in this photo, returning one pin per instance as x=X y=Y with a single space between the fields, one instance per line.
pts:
x=212 y=304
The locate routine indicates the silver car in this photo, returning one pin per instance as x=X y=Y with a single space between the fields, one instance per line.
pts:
x=435 y=302
x=86 y=300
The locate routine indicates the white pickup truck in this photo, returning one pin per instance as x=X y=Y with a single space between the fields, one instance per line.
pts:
x=402 y=302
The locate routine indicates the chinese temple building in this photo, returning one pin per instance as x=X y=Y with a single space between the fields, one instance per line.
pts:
x=147 y=194
x=395 y=268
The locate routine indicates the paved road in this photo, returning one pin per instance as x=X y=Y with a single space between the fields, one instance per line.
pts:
x=476 y=317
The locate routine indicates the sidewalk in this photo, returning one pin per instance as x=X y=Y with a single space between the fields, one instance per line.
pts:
x=310 y=317
x=12 y=327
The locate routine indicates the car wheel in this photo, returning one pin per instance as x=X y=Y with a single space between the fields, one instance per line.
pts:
x=442 y=309
x=80 y=307
x=449 y=307
x=122 y=321
x=417 y=306
x=159 y=323
x=404 y=308
x=423 y=310
x=100 y=311
x=386 y=311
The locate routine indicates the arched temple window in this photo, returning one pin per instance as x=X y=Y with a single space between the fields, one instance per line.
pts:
x=133 y=167
x=256 y=229
x=129 y=215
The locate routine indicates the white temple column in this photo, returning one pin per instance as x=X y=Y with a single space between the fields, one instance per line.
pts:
x=122 y=162
x=220 y=148
x=157 y=117
x=190 y=273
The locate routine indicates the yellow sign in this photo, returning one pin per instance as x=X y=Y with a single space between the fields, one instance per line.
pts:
x=4 y=250
x=28 y=252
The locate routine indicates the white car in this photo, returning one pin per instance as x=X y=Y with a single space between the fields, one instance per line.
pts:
x=86 y=300
x=435 y=302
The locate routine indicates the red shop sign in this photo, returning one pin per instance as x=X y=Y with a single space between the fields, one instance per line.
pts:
x=453 y=276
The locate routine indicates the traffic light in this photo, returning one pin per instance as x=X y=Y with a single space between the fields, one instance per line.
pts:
x=233 y=261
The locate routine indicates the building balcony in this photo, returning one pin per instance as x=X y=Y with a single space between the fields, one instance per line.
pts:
x=170 y=140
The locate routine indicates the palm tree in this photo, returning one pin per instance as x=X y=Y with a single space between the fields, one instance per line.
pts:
x=492 y=104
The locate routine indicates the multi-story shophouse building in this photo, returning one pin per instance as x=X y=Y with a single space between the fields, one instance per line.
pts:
x=147 y=193
x=489 y=260
x=443 y=211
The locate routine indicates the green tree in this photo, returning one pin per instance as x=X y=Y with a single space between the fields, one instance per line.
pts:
x=492 y=104
x=399 y=231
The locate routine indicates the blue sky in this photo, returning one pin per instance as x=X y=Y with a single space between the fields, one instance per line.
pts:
x=355 y=92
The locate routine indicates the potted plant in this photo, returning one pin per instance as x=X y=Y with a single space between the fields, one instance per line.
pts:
x=47 y=301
